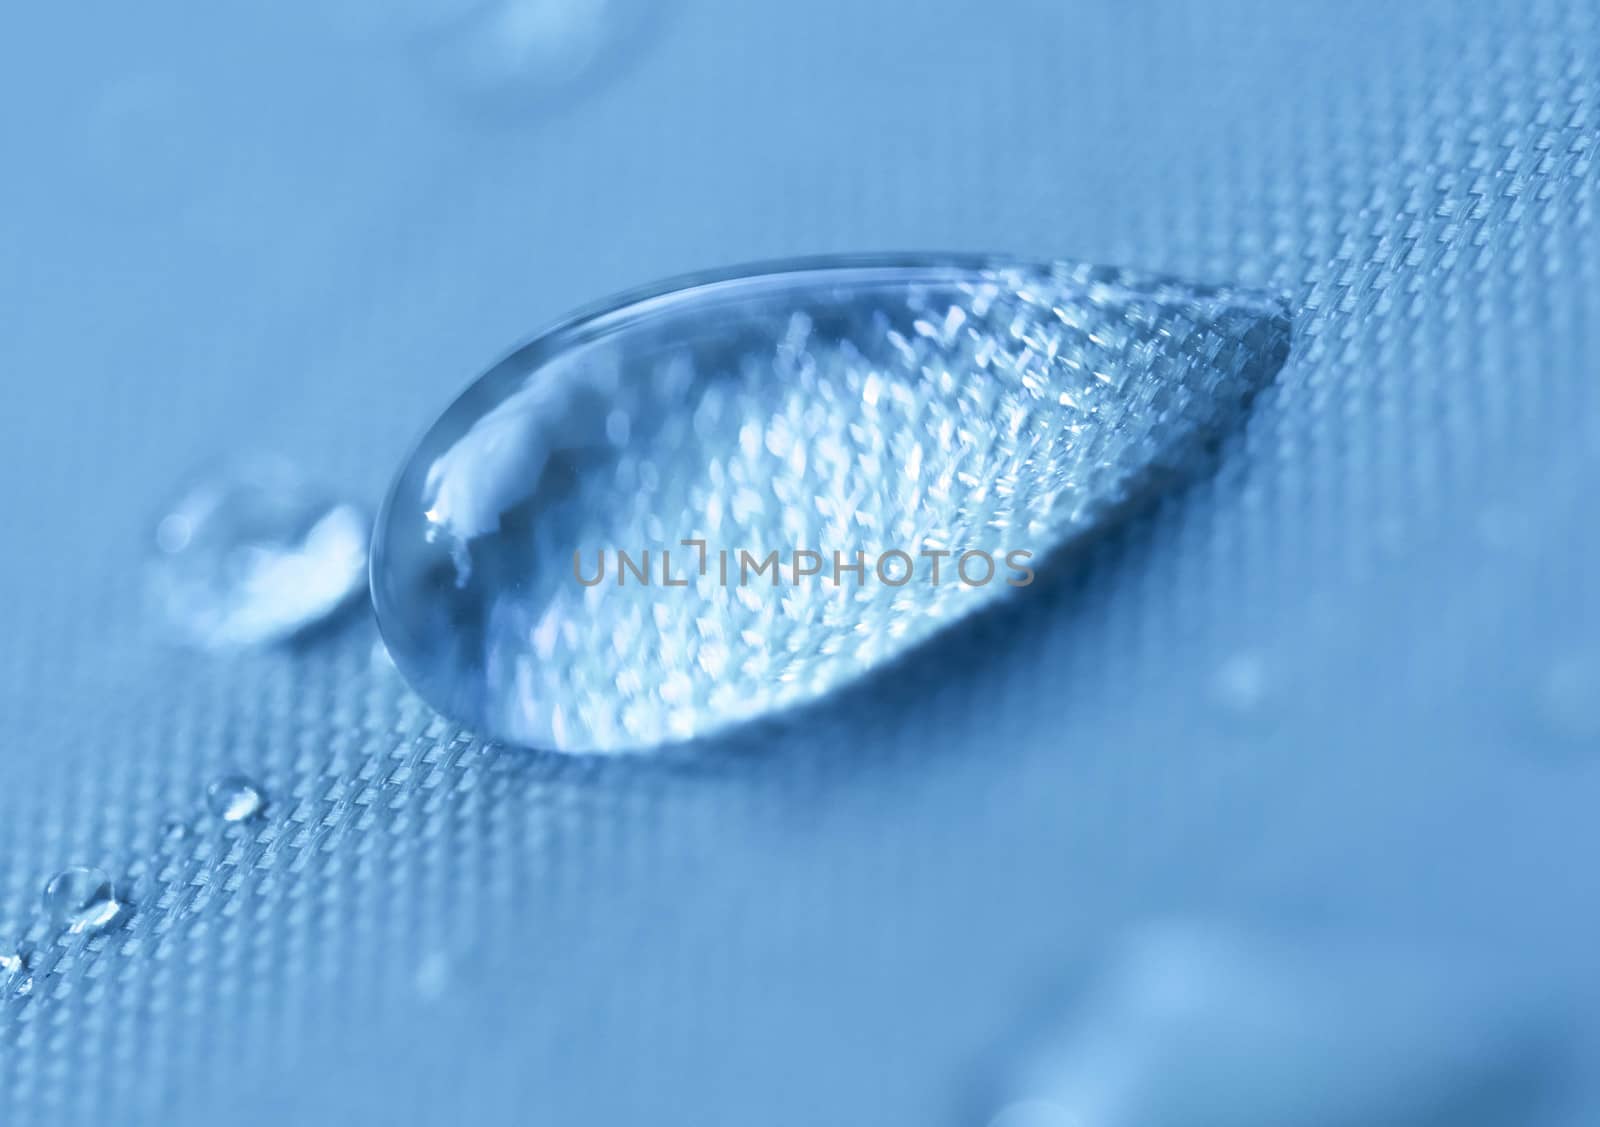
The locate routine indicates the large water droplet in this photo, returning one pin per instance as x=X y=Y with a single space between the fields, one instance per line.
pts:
x=949 y=420
x=235 y=798
x=250 y=553
x=81 y=899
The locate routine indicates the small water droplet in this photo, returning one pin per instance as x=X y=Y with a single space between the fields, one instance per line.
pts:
x=235 y=798
x=250 y=553
x=81 y=899
x=174 y=830
x=940 y=424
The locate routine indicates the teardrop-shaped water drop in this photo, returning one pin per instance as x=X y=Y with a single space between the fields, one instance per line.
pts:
x=82 y=899
x=250 y=552
x=909 y=436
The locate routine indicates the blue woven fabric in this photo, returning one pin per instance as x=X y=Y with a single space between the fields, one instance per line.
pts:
x=1350 y=682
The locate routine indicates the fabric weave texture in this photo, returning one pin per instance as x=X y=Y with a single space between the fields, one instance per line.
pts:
x=1350 y=680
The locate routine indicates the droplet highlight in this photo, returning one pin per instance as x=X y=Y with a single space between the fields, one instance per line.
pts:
x=235 y=798
x=732 y=494
x=251 y=553
x=82 y=900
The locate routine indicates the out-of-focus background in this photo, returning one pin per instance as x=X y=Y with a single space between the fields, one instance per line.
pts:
x=1278 y=810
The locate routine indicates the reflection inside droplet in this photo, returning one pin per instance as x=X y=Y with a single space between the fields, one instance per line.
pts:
x=251 y=553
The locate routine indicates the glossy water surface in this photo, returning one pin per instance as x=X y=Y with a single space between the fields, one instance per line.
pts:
x=573 y=556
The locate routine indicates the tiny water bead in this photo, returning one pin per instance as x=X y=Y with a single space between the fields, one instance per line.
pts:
x=735 y=493
x=250 y=553
x=235 y=798
x=81 y=899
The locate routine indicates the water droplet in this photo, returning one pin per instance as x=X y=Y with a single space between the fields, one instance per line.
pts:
x=951 y=421
x=1240 y=683
x=81 y=899
x=250 y=554
x=234 y=798
x=1201 y=1025
x=500 y=54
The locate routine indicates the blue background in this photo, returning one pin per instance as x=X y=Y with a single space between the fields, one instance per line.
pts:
x=1349 y=687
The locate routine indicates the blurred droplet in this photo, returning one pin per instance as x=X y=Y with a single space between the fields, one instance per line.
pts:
x=81 y=899
x=235 y=798
x=250 y=553
x=1569 y=698
x=433 y=975
x=967 y=408
x=1207 y=1027
x=511 y=55
x=1240 y=683
x=1033 y=1113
